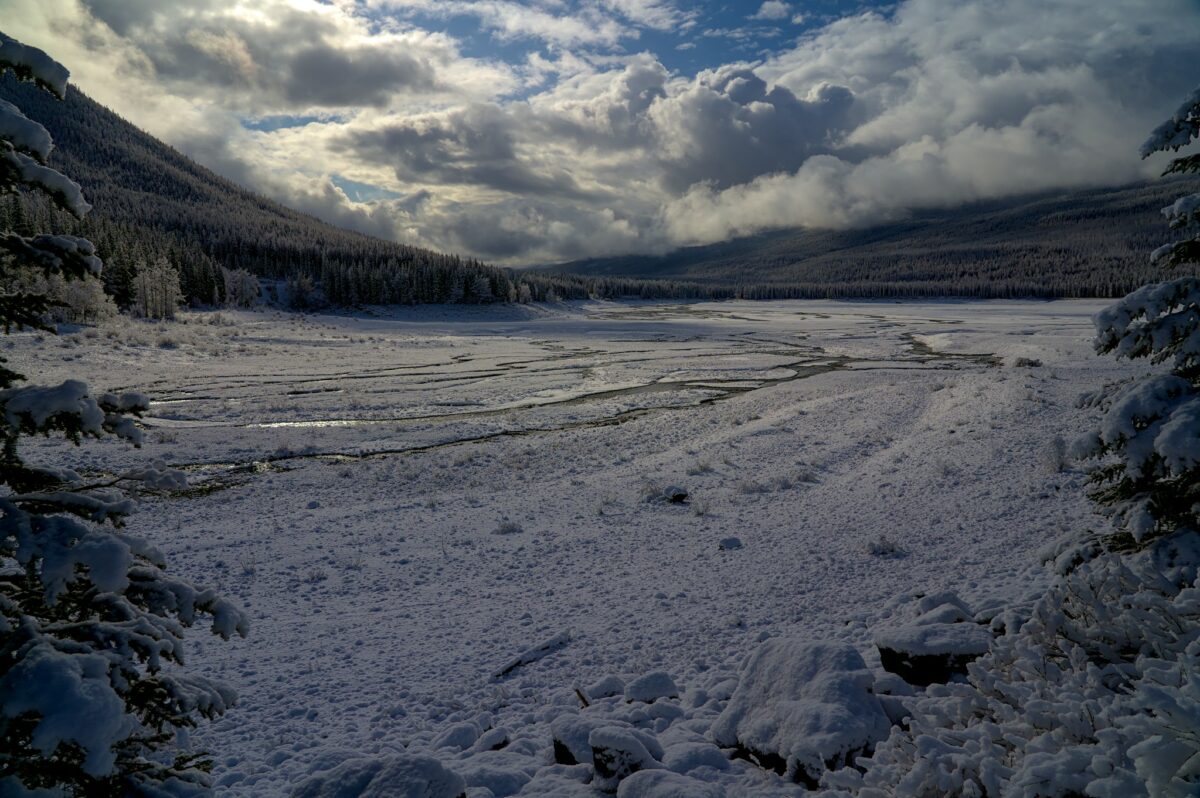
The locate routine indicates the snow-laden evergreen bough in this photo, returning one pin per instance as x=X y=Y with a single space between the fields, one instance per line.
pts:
x=91 y=628
x=1148 y=444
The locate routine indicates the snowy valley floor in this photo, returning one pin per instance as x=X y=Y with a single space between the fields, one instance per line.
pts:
x=403 y=502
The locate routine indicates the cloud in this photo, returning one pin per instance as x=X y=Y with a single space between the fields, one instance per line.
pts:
x=509 y=20
x=579 y=145
x=729 y=126
x=772 y=10
x=471 y=146
x=277 y=56
x=961 y=103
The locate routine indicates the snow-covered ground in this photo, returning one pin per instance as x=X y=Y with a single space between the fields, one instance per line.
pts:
x=408 y=501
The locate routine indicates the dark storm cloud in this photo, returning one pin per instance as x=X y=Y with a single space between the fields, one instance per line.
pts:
x=729 y=127
x=469 y=146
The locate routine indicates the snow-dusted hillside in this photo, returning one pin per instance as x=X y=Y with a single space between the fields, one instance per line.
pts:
x=409 y=504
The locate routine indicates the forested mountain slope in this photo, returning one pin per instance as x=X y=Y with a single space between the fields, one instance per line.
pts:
x=1088 y=243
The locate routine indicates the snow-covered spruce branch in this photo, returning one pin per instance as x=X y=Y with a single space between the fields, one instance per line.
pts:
x=1178 y=131
x=69 y=256
x=17 y=168
x=23 y=133
x=31 y=64
x=92 y=691
x=1146 y=451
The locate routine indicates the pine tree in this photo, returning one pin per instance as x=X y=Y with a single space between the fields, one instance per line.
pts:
x=1147 y=477
x=91 y=628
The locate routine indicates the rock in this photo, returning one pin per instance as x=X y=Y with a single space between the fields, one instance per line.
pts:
x=493 y=740
x=608 y=686
x=570 y=736
x=685 y=757
x=802 y=707
x=891 y=684
x=664 y=784
x=675 y=494
x=459 y=737
x=728 y=544
x=931 y=653
x=401 y=776
x=501 y=772
x=651 y=687
x=616 y=754
x=935 y=600
x=945 y=613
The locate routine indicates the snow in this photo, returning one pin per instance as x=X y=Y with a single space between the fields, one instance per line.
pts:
x=23 y=132
x=72 y=696
x=572 y=732
x=616 y=754
x=55 y=253
x=35 y=405
x=459 y=736
x=1178 y=131
x=380 y=614
x=605 y=687
x=65 y=191
x=807 y=702
x=399 y=776
x=686 y=757
x=931 y=639
x=501 y=773
x=1184 y=211
x=651 y=687
x=662 y=784
x=1160 y=252
x=30 y=63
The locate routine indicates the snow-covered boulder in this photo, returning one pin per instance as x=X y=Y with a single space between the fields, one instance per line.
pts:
x=401 y=776
x=607 y=686
x=802 y=707
x=459 y=736
x=617 y=753
x=493 y=739
x=569 y=734
x=651 y=687
x=931 y=653
x=501 y=772
x=687 y=756
x=946 y=613
x=664 y=784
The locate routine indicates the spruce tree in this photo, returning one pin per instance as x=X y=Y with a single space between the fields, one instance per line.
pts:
x=1147 y=447
x=91 y=627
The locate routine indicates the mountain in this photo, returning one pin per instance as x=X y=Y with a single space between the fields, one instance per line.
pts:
x=150 y=201
x=1083 y=243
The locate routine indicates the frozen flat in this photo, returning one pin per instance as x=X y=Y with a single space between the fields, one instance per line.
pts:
x=408 y=502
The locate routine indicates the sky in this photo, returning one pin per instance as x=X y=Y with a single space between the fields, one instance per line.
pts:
x=551 y=130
